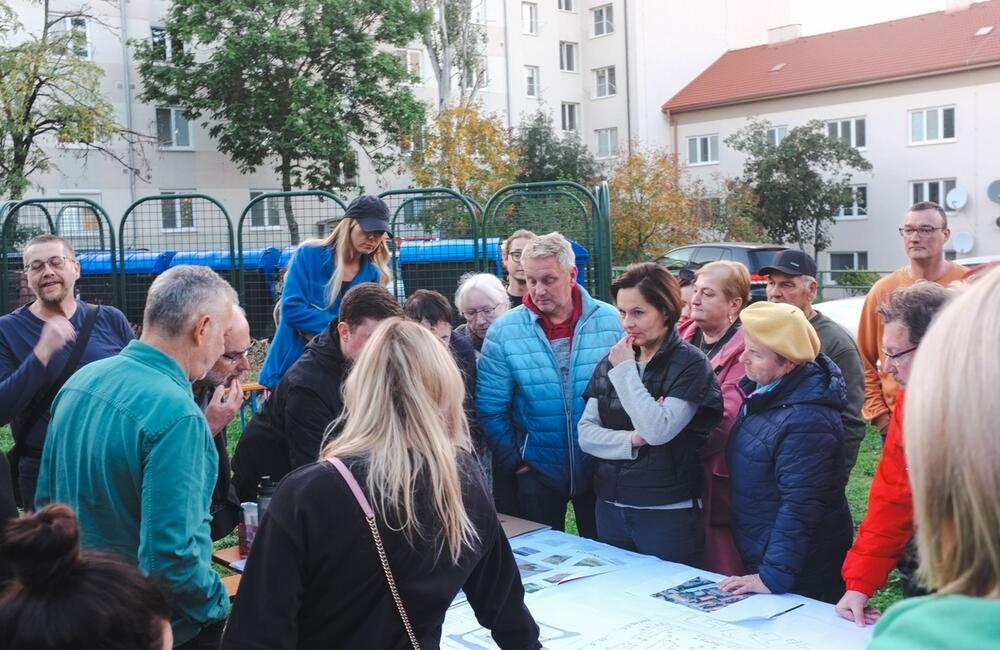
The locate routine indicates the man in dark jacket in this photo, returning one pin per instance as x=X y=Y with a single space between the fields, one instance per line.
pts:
x=288 y=430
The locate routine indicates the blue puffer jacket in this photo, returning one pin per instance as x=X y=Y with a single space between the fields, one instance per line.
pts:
x=520 y=395
x=304 y=307
x=790 y=517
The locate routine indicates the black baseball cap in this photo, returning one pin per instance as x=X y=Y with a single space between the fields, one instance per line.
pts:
x=371 y=213
x=791 y=262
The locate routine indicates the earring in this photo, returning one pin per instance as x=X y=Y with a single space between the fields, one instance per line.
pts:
x=731 y=319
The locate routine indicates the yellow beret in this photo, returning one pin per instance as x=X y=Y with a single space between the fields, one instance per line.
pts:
x=782 y=328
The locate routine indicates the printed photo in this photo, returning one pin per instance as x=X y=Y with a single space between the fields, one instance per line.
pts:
x=700 y=594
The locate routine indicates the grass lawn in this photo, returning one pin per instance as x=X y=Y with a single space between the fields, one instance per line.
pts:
x=857 y=496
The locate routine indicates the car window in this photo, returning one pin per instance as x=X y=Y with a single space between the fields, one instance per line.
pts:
x=705 y=254
x=762 y=257
x=677 y=258
x=727 y=254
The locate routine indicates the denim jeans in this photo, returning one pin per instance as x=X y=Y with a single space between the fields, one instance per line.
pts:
x=540 y=502
x=671 y=535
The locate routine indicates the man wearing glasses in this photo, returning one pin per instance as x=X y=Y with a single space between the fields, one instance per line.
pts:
x=42 y=344
x=220 y=396
x=924 y=233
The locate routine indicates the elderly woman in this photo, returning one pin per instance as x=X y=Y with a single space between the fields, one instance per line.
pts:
x=721 y=291
x=481 y=299
x=650 y=405
x=954 y=468
x=791 y=522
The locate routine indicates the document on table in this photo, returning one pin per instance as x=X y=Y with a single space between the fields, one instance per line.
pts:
x=700 y=592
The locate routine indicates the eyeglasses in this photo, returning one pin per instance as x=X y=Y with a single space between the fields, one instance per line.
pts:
x=923 y=231
x=515 y=255
x=485 y=312
x=234 y=357
x=896 y=357
x=56 y=262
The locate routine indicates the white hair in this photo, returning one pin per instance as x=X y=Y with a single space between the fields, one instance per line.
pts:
x=551 y=245
x=486 y=283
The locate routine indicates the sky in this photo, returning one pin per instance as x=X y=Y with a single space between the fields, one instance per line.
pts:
x=819 y=16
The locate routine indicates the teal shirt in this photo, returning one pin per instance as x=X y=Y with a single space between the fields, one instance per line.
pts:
x=130 y=451
x=939 y=623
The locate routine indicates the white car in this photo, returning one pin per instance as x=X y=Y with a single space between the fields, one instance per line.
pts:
x=846 y=312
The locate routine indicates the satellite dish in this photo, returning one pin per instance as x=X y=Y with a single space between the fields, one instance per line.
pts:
x=993 y=191
x=956 y=198
x=963 y=242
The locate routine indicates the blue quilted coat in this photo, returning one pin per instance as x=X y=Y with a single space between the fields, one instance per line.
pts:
x=520 y=396
x=790 y=517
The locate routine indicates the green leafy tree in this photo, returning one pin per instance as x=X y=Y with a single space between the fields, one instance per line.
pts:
x=545 y=156
x=728 y=211
x=50 y=93
x=298 y=84
x=801 y=183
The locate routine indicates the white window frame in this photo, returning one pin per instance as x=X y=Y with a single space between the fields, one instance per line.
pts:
x=856 y=211
x=77 y=231
x=569 y=56
x=477 y=12
x=570 y=114
x=529 y=18
x=480 y=74
x=66 y=27
x=938 y=112
x=412 y=60
x=602 y=21
x=853 y=140
x=567 y=5
x=174 y=114
x=775 y=134
x=178 y=212
x=856 y=264
x=610 y=82
x=944 y=186
x=611 y=133
x=168 y=43
x=271 y=206
x=709 y=139
x=532 y=82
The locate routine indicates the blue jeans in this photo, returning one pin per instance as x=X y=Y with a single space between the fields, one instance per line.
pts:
x=671 y=535
x=539 y=502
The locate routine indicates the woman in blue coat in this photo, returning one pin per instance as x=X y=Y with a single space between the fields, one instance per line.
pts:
x=319 y=275
x=791 y=520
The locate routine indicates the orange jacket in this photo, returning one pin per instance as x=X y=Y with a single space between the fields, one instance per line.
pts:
x=888 y=526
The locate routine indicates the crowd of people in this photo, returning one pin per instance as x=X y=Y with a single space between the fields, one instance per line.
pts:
x=682 y=422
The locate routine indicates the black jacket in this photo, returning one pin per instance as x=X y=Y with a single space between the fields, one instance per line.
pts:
x=671 y=472
x=791 y=521
x=225 y=510
x=288 y=430
x=314 y=581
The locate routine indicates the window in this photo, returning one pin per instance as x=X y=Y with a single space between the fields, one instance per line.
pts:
x=850 y=130
x=776 y=134
x=567 y=56
x=165 y=47
x=850 y=261
x=706 y=209
x=929 y=125
x=475 y=74
x=604 y=20
x=529 y=18
x=703 y=149
x=935 y=191
x=411 y=143
x=607 y=142
x=477 y=14
x=604 y=81
x=567 y=5
x=177 y=214
x=531 y=81
x=858 y=208
x=78 y=219
x=173 y=131
x=570 y=116
x=266 y=213
x=411 y=59
x=73 y=31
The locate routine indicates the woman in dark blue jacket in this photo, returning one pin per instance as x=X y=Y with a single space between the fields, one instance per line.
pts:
x=790 y=517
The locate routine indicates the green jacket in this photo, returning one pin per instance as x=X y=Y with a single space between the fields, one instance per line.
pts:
x=130 y=451
x=939 y=623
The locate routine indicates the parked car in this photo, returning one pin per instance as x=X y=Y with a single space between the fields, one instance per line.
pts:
x=753 y=256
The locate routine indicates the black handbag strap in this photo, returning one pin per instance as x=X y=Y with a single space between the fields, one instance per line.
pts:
x=43 y=401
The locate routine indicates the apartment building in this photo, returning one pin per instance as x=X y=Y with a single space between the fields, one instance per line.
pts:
x=917 y=96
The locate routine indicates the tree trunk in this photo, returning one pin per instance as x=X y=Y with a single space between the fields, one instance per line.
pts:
x=286 y=186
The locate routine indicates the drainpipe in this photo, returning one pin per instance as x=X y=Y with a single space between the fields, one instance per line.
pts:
x=628 y=83
x=127 y=83
x=506 y=61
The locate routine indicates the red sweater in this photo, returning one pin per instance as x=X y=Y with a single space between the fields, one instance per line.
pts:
x=888 y=526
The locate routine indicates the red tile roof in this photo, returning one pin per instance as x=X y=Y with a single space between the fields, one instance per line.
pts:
x=922 y=45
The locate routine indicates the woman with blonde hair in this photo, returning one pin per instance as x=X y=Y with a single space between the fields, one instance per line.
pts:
x=721 y=292
x=319 y=275
x=314 y=576
x=953 y=457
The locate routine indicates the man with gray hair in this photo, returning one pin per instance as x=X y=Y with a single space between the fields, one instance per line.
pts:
x=130 y=451
x=536 y=361
x=792 y=280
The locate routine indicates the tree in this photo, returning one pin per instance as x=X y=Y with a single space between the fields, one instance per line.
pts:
x=454 y=46
x=729 y=211
x=545 y=156
x=50 y=93
x=801 y=183
x=652 y=210
x=300 y=84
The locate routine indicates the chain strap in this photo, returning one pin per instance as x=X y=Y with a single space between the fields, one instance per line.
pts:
x=392 y=582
